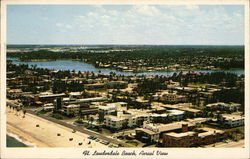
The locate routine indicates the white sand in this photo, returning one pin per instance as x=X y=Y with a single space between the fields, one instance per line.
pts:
x=46 y=134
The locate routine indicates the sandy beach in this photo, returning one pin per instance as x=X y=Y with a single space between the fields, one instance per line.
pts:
x=46 y=134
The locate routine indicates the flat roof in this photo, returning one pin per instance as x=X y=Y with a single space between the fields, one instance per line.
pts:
x=170 y=106
x=173 y=126
x=175 y=112
x=209 y=131
x=189 y=133
x=75 y=93
x=51 y=95
x=150 y=132
x=106 y=107
x=190 y=109
x=232 y=116
x=90 y=99
x=72 y=106
x=115 y=118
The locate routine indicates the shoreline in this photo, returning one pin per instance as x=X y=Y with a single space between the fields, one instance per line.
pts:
x=23 y=137
x=133 y=71
x=38 y=132
x=18 y=138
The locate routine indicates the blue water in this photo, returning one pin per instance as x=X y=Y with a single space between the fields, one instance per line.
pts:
x=84 y=67
x=12 y=142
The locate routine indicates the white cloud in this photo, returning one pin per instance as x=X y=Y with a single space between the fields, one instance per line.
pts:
x=145 y=10
x=59 y=24
x=63 y=27
x=45 y=18
x=147 y=23
x=68 y=26
x=192 y=6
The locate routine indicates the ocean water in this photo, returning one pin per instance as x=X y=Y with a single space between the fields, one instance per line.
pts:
x=13 y=142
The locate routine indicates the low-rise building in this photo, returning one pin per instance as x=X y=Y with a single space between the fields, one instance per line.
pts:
x=198 y=137
x=75 y=95
x=176 y=114
x=119 y=121
x=186 y=107
x=172 y=97
x=48 y=98
x=95 y=86
x=85 y=101
x=71 y=109
x=232 y=120
x=223 y=106
x=153 y=132
x=109 y=108
x=117 y=84
x=183 y=139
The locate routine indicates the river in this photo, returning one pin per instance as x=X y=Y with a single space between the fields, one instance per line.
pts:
x=84 y=67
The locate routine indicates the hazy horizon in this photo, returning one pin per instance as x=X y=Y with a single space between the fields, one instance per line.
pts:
x=130 y=44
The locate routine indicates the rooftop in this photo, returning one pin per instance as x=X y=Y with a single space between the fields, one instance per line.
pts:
x=189 y=133
x=232 y=116
x=150 y=132
x=166 y=127
x=71 y=106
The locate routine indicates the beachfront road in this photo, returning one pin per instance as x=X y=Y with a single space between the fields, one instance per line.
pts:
x=231 y=144
x=239 y=144
x=80 y=129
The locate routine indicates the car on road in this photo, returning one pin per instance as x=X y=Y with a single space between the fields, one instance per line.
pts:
x=120 y=145
x=110 y=146
x=115 y=146
x=92 y=137
x=104 y=142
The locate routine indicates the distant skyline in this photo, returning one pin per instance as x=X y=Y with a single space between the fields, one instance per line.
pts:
x=126 y=24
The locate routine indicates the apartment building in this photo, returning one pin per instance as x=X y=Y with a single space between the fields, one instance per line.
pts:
x=223 y=106
x=232 y=120
x=192 y=138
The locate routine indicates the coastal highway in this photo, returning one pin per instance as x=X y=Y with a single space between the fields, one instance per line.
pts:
x=231 y=144
x=239 y=144
x=80 y=129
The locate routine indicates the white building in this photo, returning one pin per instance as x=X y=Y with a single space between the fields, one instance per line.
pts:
x=71 y=109
x=84 y=101
x=110 y=107
x=75 y=95
x=225 y=106
x=120 y=121
x=232 y=120
x=176 y=114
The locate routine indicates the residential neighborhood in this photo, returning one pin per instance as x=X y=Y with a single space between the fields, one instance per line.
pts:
x=132 y=111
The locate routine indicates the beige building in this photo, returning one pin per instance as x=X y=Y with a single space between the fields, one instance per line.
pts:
x=186 y=138
x=172 y=97
x=153 y=132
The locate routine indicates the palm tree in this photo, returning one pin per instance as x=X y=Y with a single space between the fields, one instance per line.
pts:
x=88 y=119
x=80 y=116
x=24 y=112
x=91 y=119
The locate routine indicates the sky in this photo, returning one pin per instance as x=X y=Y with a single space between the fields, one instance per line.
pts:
x=126 y=24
